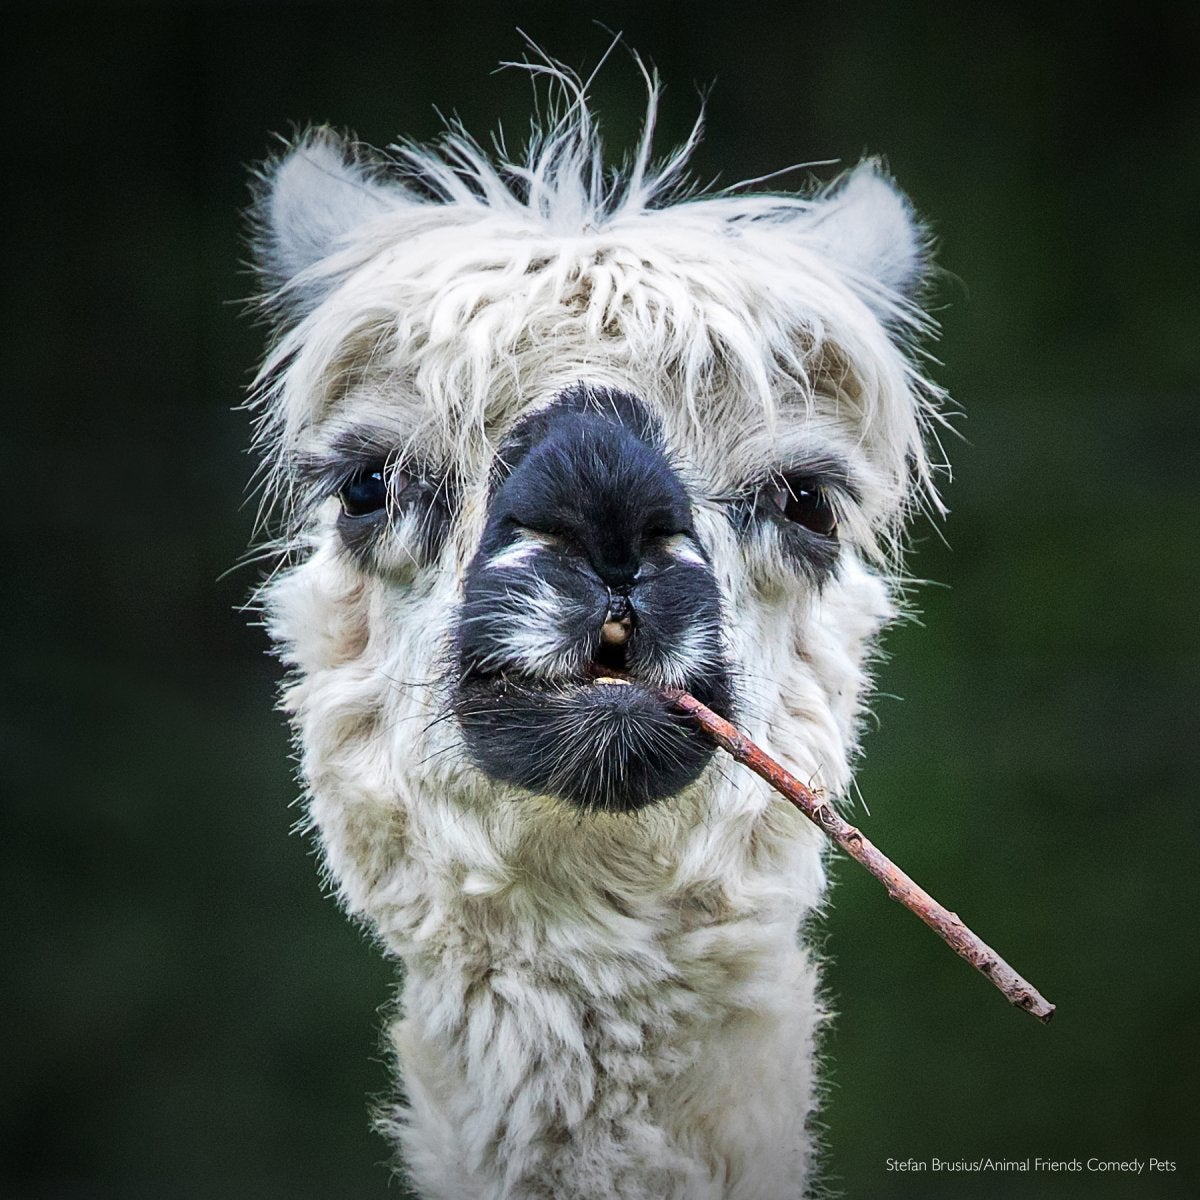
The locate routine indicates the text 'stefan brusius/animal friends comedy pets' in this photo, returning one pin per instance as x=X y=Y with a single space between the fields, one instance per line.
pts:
x=527 y=423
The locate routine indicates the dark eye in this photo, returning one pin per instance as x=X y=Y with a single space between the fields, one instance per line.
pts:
x=364 y=493
x=804 y=502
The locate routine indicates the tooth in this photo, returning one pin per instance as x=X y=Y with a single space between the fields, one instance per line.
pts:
x=610 y=679
x=614 y=633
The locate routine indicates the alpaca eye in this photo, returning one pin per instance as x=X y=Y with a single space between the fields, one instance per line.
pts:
x=391 y=520
x=803 y=502
x=364 y=494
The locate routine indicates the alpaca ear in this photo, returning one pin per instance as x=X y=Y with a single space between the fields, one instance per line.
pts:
x=308 y=200
x=867 y=224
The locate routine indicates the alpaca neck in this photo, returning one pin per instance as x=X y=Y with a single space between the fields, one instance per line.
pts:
x=608 y=1042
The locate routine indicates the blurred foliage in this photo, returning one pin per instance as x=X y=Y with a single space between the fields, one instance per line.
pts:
x=186 y=1014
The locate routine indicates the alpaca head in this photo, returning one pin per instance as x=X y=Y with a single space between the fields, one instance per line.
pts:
x=523 y=417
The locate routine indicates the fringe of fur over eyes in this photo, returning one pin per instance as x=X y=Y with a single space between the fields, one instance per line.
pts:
x=457 y=274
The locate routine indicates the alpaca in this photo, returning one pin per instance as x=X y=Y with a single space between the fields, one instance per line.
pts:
x=523 y=415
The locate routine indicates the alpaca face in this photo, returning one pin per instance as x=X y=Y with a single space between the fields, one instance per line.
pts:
x=521 y=430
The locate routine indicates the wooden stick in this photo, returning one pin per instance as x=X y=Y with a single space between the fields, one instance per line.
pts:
x=899 y=886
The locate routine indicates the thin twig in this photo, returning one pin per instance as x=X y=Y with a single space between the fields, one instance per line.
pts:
x=947 y=925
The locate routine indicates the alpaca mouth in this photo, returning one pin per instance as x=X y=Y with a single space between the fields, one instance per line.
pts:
x=612 y=655
x=597 y=741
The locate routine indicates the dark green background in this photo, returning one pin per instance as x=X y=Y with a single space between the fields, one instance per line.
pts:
x=185 y=1015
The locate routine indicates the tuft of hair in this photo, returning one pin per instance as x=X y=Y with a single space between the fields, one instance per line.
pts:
x=374 y=261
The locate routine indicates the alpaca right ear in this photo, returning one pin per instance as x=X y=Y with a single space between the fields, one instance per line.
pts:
x=308 y=200
x=867 y=224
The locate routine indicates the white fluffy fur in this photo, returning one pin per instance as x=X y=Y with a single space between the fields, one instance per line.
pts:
x=614 y=1005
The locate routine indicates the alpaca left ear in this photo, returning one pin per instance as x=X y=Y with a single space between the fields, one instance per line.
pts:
x=867 y=224
x=308 y=200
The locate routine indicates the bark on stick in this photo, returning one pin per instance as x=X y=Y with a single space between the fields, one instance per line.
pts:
x=947 y=925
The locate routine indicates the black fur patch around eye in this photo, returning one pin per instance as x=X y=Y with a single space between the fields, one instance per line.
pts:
x=814 y=553
x=412 y=491
x=423 y=500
